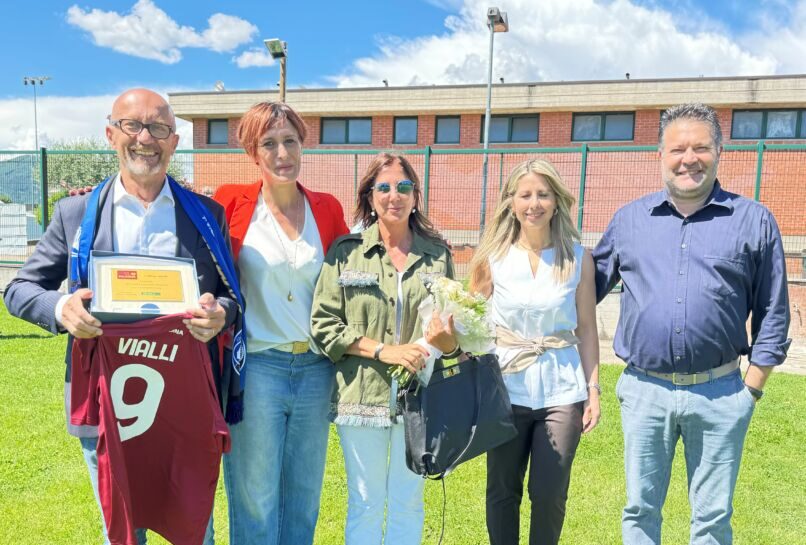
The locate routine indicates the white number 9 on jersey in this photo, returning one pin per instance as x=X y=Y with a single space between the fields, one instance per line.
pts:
x=145 y=410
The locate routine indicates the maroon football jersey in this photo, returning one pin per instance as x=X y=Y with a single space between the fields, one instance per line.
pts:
x=149 y=388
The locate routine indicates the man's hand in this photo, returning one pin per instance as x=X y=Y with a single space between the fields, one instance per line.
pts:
x=207 y=320
x=75 y=318
x=81 y=190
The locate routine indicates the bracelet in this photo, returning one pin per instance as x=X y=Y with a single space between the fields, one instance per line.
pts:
x=377 y=354
x=453 y=353
x=755 y=392
x=595 y=386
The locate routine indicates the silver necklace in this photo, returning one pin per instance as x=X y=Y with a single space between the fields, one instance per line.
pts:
x=288 y=261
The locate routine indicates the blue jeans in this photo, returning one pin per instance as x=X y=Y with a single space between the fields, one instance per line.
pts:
x=274 y=472
x=379 y=482
x=712 y=419
x=88 y=447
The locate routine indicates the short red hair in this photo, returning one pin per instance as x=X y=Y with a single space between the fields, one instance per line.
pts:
x=263 y=116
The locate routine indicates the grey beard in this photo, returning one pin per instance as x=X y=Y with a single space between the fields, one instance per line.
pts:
x=139 y=168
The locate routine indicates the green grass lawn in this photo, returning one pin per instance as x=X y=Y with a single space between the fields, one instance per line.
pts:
x=45 y=496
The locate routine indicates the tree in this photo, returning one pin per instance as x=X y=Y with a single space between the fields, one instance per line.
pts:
x=52 y=199
x=83 y=162
x=87 y=161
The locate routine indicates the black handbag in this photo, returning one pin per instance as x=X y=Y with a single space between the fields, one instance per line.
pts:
x=462 y=413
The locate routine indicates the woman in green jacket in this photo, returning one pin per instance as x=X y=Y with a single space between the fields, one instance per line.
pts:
x=365 y=319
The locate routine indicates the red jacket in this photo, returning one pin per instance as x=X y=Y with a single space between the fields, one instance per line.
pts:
x=239 y=202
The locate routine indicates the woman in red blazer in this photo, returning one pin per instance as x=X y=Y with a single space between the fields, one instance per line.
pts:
x=280 y=233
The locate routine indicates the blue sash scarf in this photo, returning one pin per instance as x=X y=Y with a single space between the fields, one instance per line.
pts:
x=207 y=225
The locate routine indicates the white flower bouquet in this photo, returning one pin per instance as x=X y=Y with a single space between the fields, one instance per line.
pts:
x=475 y=330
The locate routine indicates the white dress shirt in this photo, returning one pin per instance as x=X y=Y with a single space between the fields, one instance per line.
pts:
x=144 y=230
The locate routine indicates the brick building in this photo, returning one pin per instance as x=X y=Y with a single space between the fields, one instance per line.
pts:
x=580 y=126
x=525 y=114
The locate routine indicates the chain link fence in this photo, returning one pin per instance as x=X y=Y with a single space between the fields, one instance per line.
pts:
x=602 y=178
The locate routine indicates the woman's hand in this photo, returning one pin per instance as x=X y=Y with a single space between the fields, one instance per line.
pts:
x=590 y=411
x=410 y=356
x=440 y=335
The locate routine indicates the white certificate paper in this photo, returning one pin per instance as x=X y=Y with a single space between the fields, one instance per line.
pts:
x=132 y=287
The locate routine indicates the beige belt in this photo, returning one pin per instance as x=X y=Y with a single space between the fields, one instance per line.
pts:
x=296 y=347
x=690 y=379
x=530 y=349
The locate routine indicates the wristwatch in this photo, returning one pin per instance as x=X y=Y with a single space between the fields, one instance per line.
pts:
x=755 y=392
x=595 y=386
x=377 y=354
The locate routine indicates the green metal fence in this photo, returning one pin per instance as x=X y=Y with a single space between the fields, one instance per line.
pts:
x=603 y=178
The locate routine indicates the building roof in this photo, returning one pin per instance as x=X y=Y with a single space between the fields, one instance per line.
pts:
x=607 y=95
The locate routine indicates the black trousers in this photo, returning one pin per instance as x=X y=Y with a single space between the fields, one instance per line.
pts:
x=550 y=437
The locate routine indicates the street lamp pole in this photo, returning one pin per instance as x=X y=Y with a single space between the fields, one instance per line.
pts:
x=279 y=51
x=282 y=76
x=33 y=80
x=496 y=22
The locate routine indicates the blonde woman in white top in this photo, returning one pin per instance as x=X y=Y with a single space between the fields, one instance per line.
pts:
x=540 y=282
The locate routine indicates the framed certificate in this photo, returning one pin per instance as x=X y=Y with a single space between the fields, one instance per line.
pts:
x=127 y=287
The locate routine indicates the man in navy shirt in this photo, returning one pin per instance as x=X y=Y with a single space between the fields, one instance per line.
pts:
x=695 y=262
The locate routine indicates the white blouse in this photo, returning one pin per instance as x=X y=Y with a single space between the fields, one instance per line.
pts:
x=533 y=306
x=267 y=275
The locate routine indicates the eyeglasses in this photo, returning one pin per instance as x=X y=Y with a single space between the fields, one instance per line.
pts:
x=404 y=187
x=132 y=127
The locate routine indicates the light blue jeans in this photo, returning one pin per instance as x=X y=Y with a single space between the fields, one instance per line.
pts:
x=712 y=419
x=378 y=480
x=274 y=472
x=88 y=448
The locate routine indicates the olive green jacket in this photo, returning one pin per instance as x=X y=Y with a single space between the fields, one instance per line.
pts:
x=356 y=297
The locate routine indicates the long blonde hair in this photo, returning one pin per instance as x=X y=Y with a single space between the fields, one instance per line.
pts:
x=504 y=229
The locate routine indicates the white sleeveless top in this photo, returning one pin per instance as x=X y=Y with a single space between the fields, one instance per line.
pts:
x=267 y=275
x=533 y=306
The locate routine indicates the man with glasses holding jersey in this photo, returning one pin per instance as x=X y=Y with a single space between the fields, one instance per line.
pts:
x=136 y=212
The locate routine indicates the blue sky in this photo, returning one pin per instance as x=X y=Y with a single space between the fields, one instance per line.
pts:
x=323 y=40
x=95 y=49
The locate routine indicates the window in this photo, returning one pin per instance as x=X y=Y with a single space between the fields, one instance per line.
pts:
x=603 y=126
x=757 y=124
x=447 y=130
x=217 y=131
x=346 y=131
x=512 y=128
x=405 y=130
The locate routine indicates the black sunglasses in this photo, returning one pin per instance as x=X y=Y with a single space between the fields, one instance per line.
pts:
x=404 y=187
x=132 y=127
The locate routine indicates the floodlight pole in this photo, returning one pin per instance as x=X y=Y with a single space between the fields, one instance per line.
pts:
x=33 y=80
x=282 y=75
x=278 y=50
x=494 y=16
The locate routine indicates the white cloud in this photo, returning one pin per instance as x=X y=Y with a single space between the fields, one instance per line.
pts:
x=554 y=40
x=781 y=35
x=150 y=33
x=63 y=118
x=254 y=56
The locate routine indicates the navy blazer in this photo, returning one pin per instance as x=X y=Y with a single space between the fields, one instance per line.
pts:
x=32 y=295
